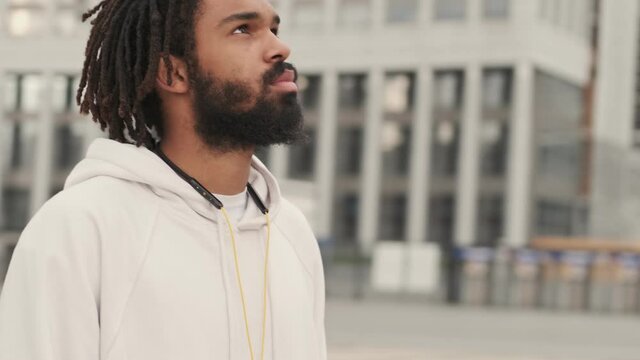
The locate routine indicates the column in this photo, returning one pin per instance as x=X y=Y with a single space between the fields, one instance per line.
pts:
x=370 y=196
x=326 y=152
x=378 y=11
x=278 y=161
x=43 y=160
x=425 y=15
x=330 y=15
x=467 y=186
x=420 y=158
x=520 y=158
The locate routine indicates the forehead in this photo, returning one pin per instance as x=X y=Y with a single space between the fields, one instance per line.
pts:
x=217 y=10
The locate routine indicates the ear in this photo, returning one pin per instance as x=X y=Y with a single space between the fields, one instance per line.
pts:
x=178 y=83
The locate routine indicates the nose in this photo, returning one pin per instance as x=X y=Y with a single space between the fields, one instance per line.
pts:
x=277 y=51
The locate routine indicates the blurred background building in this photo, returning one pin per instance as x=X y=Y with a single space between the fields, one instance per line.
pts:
x=436 y=127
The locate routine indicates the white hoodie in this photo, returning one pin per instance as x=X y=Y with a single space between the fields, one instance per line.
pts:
x=129 y=262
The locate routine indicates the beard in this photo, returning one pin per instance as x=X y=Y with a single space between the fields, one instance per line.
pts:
x=225 y=123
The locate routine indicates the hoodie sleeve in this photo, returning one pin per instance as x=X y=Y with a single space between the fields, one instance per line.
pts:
x=319 y=306
x=49 y=304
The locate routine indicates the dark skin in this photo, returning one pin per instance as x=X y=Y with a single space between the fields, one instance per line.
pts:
x=236 y=40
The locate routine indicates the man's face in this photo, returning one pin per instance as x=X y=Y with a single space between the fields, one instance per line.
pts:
x=244 y=93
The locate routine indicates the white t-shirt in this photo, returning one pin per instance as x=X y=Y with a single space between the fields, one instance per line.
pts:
x=236 y=205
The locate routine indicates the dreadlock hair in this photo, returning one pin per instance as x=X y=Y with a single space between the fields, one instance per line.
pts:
x=128 y=39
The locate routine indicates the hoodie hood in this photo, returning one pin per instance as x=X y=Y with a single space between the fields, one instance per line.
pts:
x=128 y=162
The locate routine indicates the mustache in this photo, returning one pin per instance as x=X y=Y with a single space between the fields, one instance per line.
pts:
x=278 y=69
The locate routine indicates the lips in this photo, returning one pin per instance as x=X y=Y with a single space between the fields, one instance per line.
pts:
x=286 y=82
x=287 y=76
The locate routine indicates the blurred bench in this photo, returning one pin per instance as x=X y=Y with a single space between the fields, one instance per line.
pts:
x=585 y=244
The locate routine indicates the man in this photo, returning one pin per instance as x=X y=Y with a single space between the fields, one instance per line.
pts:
x=171 y=241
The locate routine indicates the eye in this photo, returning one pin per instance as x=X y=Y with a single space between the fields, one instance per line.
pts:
x=242 y=29
x=275 y=31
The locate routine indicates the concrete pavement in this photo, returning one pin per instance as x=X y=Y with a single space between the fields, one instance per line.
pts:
x=409 y=330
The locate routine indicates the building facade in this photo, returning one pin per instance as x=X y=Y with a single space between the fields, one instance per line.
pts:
x=443 y=121
x=456 y=122
x=614 y=203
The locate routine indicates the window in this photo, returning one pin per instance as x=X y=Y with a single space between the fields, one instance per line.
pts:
x=494 y=131
x=68 y=16
x=450 y=9
x=558 y=107
x=309 y=92
x=69 y=129
x=346 y=216
x=20 y=144
x=445 y=131
x=553 y=218
x=441 y=219
x=302 y=157
x=496 y=9
x=396 y=150
x=402 y=11
x=497 y=88
x=19 y=126
x=352 y=91
x=560 y=160
x=448 y=90
x=393 y=216
x=68 y=144
x=560 y=153
x=23 y=93
x=445 y=143
x=354 y=14
x=349 y=145
x=399 y=92
x=25 y=18
x=64 y=92
x=15 y=209
x=494 y=139
x=352 y=98
x=490 y=220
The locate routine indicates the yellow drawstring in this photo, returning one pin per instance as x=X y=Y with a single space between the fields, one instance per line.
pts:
x=244 y=305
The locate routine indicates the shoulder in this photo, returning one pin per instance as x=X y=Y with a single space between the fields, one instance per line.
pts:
x=291 y=216
x=86 y=213
x=292 y=223
x=104 y=198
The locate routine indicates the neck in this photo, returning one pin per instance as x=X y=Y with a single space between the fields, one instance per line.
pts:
x=224 y=173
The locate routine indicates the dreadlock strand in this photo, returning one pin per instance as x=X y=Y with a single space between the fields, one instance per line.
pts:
x=90 y=57
x=142 y=134
x=154 y=50
x=142 y=21
x=123 y=66
x=94 y=10
x=167 y=41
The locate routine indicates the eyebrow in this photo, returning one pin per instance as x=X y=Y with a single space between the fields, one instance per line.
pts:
x=245 y=16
